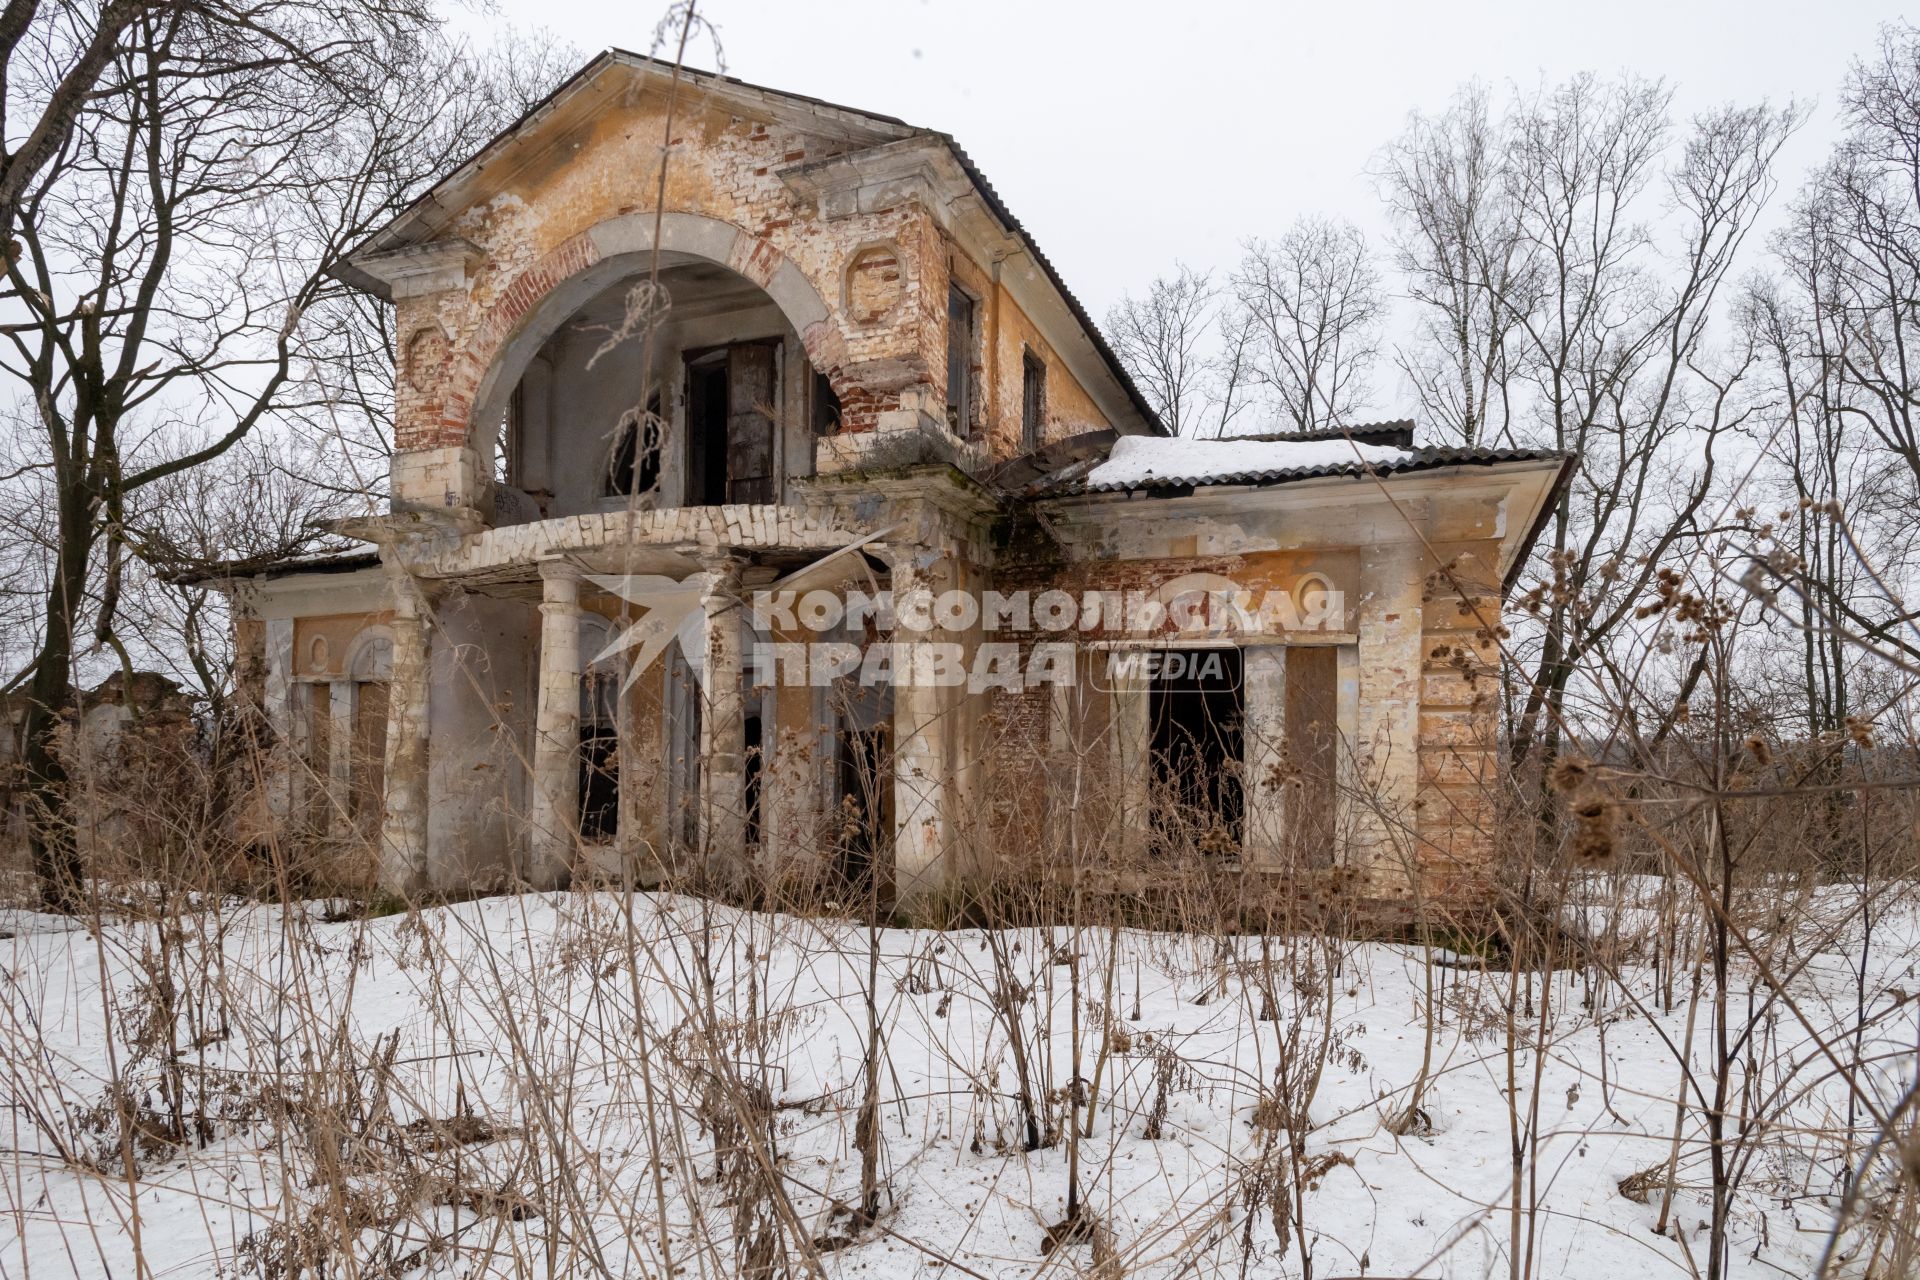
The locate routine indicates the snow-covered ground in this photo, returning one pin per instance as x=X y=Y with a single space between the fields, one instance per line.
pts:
x=511 y=1022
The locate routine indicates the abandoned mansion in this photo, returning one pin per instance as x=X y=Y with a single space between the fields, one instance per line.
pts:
x=764 y=504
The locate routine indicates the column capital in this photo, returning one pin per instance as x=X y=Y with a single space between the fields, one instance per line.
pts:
x=724 y=565
x=559 y=588
x=911 y=559
x=723 y=591
x=558 y=570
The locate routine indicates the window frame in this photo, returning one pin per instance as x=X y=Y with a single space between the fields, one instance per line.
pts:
x=960 y=414
x=1033 y=399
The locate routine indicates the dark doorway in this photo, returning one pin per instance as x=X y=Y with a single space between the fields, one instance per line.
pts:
x=599 y=784
x=1196 y=710
x=730 y=418
x=863 y=776
x=866 y=805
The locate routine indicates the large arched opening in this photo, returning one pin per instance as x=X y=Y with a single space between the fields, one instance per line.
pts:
x=689 y=387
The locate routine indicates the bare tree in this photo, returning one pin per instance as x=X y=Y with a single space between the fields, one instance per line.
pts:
x=1590 y=284
x=1839 y=327
x=167 y=291
x=1311 y=301
x=1458 y=250
x=1159 y=339
x=1817 y=472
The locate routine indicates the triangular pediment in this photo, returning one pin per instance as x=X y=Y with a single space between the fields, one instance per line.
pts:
x=617 y=81
x=835 y=160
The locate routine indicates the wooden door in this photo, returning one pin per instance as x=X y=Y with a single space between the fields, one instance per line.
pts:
x=750 y=417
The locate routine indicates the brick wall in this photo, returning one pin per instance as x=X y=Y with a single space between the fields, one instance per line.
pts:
x=883 y=353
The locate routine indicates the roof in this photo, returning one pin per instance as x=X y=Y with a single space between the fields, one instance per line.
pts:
x=1395 y=431
x=394 y=233
x=346 y=560
x=1304 y=457
x=1183 y=464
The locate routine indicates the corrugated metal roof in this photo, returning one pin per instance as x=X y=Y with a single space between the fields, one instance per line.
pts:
x=346 y=560
x=1397 y=432
x=1422 y=460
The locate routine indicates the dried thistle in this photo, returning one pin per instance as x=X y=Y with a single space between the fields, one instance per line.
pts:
x=1569 y=775
x=1594 y=821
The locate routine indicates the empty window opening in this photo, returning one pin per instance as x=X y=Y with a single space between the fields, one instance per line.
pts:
x=826 y=406
x=1196 y=710
x=1312 y=743
x=707 y=430
x=754 y=759
x=1033 y=400
x=960 y=329
x=599 y=757
x=634 y=465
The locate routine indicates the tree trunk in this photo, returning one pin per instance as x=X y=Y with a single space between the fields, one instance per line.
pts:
x=56 y=859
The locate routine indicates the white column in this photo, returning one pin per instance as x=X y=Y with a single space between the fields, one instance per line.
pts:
x=277 y=695
x=556 y=743
x=1264 y=692
x=403 y=825
x=723 y=732
x=1389 y=625
x=1132 y=725
x=922 y=731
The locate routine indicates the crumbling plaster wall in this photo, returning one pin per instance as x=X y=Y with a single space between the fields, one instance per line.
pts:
x=1006 y=334
x=323 y=643
x=882 y=345
x=1422 y=623
x=484 y=656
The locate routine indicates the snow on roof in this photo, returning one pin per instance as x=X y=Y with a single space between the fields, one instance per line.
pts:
x=1155 y=460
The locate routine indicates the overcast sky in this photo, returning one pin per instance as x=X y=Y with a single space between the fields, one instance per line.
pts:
x=1127 y=135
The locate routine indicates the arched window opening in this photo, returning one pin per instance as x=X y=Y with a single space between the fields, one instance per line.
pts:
x=634 y=467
